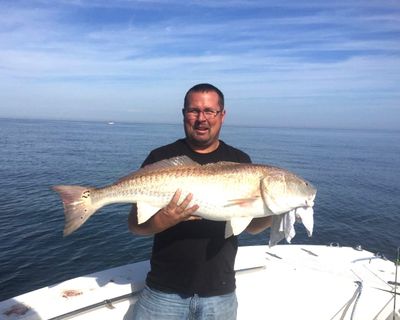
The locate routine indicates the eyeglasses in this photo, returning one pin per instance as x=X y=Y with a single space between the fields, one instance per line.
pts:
x=192 y=113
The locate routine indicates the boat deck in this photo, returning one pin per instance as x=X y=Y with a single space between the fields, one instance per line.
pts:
x=282 y=282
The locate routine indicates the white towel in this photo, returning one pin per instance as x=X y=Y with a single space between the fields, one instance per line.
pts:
x=283 y=224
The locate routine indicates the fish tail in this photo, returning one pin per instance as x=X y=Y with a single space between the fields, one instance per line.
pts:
x=78 y=206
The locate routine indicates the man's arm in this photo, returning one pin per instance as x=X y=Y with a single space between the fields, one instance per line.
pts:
x=165 y=218
x=259 y=224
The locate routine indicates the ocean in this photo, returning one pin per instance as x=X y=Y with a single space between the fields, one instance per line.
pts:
x=356 y=172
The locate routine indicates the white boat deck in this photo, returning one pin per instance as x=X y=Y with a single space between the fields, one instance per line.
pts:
x=283 y=282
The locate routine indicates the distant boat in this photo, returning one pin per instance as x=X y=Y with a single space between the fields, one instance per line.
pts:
x=111 y=122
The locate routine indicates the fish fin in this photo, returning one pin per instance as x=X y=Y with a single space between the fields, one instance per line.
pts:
x=223 y=163
x=171 y=162
x=182 y=161
x=77 y=206
x=163 y=164
x=244 y=202
x=145 y=211
x=236 y=225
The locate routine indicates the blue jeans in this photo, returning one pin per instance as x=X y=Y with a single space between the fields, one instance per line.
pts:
x=156 y=305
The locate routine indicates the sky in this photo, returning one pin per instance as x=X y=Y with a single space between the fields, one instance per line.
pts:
x=312 y=64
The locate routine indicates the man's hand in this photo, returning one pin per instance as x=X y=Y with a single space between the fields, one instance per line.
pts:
x=172 y=214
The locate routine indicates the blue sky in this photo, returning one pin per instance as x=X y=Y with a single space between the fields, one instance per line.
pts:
x=279 y=63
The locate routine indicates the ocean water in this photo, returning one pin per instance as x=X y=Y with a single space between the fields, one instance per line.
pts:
x=356 y=172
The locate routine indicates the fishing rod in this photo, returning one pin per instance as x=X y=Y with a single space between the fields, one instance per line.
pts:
x=105 y=303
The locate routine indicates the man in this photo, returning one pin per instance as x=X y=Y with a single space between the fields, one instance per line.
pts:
x=192 y=265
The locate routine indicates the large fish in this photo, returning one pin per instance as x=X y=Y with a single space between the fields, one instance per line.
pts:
x=224 y=191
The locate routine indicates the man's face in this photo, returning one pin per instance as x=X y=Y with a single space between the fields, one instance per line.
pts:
x=202 y=131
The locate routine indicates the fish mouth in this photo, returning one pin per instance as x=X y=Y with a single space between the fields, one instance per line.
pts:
x=310 y=200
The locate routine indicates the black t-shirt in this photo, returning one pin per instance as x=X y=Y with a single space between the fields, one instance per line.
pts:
x=193 y=257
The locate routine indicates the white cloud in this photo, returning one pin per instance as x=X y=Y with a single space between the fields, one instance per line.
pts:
x=294 y=53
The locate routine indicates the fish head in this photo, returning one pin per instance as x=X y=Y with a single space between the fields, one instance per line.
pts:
x=283 y=191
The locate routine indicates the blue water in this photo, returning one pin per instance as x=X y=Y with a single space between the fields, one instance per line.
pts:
x=357 y=174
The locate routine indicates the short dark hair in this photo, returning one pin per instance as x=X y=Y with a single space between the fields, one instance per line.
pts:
x=204 y=87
